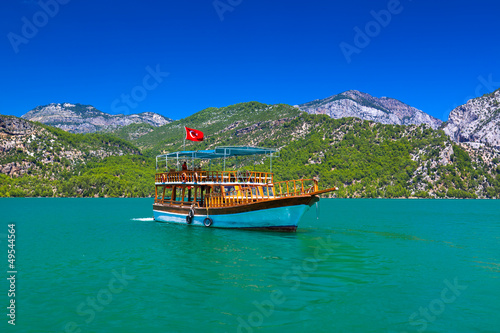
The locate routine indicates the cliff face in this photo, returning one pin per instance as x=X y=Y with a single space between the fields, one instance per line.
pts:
x=383 y=110
x=78 y=118
x=478 y=121
x=28 y=148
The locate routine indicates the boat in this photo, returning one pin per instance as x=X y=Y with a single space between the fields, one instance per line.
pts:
x=240 y=199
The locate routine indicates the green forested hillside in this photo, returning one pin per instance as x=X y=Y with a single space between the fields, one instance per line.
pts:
x=216 y=123
x=133 y=131
x=40 y=160
x=361 y=158
x=365 y=159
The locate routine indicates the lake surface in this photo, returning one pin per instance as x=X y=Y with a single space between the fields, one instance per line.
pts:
x=103 y=265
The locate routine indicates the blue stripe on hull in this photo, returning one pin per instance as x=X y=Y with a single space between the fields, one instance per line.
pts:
x=273 y=218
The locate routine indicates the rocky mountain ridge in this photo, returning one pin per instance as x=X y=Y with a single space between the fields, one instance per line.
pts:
x=383 y=110
x=361 y=158
x=477 y=122
x=78 y=118
x=26 y=147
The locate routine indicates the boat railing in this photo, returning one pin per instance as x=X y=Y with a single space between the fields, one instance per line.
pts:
x=199 y=176
x=236 y=197
x=194 y=201
x=295 y=187
x=253 y=194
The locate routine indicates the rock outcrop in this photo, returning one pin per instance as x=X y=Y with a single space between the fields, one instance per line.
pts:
x=78 y=118
x=477 y=122
x=383 y=110
x=27 y=147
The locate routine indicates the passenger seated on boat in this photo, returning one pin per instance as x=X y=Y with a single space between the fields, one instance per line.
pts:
x=184 y=166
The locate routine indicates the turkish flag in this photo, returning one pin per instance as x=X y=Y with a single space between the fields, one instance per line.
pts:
x=193 y=135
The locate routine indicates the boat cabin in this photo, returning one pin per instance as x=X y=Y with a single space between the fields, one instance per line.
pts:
x=187 y=185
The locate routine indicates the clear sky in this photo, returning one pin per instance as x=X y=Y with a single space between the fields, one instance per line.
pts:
x=179 y=57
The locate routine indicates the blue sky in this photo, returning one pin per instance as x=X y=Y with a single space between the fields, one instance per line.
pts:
x=179 y=57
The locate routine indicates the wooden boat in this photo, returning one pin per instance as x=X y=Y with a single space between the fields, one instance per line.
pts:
x=240 y=199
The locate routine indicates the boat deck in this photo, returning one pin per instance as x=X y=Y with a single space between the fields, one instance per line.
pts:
x=213 y=177
x=216 y=189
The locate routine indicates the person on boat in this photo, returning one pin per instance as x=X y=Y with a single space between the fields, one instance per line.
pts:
x=184 y=166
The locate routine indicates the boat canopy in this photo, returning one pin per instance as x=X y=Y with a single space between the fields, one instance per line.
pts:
x=221 y=152
x=218 y=152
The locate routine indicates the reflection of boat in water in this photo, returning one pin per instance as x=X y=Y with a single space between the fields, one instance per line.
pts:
x=230 y=199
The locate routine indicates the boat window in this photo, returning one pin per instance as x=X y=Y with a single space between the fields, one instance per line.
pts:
x=267 y=191
x=168 y=193
x=228 y=189
x=254 y=191
x=159 y=192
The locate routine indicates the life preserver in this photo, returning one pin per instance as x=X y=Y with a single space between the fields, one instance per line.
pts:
x=183 y=177
x=196 y=177
x=208 y=222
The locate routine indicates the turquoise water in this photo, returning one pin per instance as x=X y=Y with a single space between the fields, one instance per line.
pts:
x=103 y=265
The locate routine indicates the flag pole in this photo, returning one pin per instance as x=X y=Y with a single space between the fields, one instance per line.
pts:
x=185 y=138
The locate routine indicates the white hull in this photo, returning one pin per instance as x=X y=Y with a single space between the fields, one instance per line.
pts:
x=272 y=218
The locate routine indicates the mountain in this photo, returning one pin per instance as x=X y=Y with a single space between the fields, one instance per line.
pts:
x=78 y=118
x=362 y=158
x=40 y=160
x=383 y=110
x=235 y=125
x=133 y=131
x=27 y=147
x=477 y=121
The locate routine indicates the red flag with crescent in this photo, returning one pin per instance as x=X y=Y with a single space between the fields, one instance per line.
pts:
x=193 y=135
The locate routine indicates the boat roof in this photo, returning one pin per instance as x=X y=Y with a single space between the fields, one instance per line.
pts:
x=221 y=152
